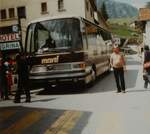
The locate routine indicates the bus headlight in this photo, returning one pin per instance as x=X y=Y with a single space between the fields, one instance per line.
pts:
x=38 y=69
x=79 y=66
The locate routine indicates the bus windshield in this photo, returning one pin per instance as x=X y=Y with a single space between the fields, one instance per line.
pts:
x=57 y=34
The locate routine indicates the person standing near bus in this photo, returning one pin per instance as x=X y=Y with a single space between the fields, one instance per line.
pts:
x=4 y=73
x=118 y=63
x=22 y=70
x=0 y=74
x=9 y=76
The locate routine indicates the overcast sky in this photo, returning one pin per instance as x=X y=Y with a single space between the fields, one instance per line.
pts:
x=136 y=3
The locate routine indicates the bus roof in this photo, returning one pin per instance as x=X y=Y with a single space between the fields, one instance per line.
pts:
x=54 y=17
x=62 y=17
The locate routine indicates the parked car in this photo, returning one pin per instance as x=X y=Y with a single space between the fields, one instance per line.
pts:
x=128 y=50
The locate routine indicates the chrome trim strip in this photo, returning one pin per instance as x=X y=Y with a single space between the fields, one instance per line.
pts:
x=71 y=64
x=58 y=76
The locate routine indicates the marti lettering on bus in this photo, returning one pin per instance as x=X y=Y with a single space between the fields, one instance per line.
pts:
x=50 y=60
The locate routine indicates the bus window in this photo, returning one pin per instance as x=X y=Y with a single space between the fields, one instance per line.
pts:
x=91 y=38
x=105 y=35
x=100 y=43
x=41 y=36
x=60 y=33
x=29 y=39
x=106 y=41
x=84 y=36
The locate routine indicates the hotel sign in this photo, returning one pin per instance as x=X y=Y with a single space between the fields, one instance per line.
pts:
x=9 y=46
x=9 y=38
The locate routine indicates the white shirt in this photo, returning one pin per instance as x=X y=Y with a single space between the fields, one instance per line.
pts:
x=116 y=60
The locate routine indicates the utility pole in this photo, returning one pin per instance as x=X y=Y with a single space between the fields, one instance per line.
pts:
x=20 y=32
x=21 y=14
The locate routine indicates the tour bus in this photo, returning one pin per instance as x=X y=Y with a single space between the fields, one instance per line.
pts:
x=66 y=49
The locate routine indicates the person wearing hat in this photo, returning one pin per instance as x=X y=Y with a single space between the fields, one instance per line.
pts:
x=117 y=62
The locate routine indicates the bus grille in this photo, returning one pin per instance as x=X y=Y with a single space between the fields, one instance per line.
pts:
x=53 y=67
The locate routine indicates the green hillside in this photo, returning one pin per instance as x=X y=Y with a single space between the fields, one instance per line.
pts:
x=123 y=31
x=121 y=27
x=122 y=21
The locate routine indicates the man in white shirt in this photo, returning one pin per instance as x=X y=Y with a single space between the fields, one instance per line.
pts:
x=118 y=63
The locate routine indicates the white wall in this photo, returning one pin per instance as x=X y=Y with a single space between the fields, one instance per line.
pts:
x=33 y=7
x=75 y=7
x=147 y=34
x=71 y=7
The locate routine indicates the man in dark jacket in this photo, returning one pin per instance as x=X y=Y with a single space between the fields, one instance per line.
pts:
x=1 y=74
x=4 y=82
x=22 y=70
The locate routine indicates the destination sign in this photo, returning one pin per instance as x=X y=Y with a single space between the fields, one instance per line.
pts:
x=9 y=46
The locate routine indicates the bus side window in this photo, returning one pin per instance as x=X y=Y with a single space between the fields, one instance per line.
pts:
x=105 y=39
x=84 y=36
x=100 y=42
x=91 y=38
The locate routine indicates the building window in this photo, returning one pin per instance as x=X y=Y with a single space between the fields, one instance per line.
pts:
x=87 y=6
x=60 y=5
x=21 y=12
x=44 y=7
x=11 y=12
x=91 y=12
x=3 y=14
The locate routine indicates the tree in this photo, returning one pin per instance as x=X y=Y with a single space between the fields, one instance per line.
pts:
x=104 y=11
x=148 y=5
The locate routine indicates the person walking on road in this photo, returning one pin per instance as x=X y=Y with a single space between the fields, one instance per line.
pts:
x=22 y=70
x=146 y=69
x=117 y=62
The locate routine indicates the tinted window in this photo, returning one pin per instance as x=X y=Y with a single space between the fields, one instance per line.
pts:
x=55 y=34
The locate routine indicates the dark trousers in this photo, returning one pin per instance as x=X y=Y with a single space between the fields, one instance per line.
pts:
x=0 y=84
x=4 y=88
x=147 y=80
x=22 y=87
x=119 y=77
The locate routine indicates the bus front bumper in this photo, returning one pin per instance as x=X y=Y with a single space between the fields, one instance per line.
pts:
x=58 y=78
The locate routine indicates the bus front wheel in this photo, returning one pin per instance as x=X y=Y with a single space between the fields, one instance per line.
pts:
x=93 y=78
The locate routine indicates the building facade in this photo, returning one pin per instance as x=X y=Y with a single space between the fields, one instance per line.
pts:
x=144 y=24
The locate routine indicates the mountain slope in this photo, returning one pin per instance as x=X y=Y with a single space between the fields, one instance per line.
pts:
x=117 y=9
